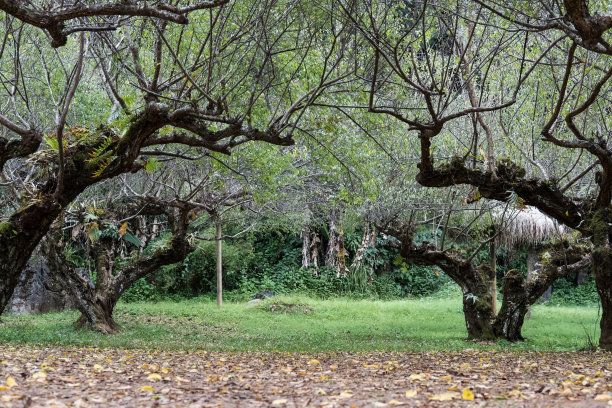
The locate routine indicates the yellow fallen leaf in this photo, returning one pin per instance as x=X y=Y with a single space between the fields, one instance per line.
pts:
x=603 y=397
x=10 y=382
x=164 y=371
x=39 y=374
x=411 y=393
x=180 y=379
x=146 y=388
x=279 y=402
x=323 y=377
x=446 y=396
x=8 y=398
x=448 y=377
x=154 y=376
x=346 y=394
x=417 y=376
x=395 y=402
x=321 y=391
x=314 y=362
x=467 y=394
x=333 y=367
x=3 y=388
x=97 y=367
x=453 y=388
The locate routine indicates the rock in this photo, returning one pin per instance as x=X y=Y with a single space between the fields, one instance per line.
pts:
x=254 y=302
x=37 y=292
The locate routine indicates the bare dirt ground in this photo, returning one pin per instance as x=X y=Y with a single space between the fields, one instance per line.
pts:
x=80 y=377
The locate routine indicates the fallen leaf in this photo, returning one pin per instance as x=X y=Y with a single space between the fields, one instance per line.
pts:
x=467 y=394
x=279 y=402
x=446 y=396
x=154 y=376
x=395 y=402
x=10 y=382
x=314 y=362
x=146 y=388
x=346 y=394
x=39 y=374
x=411 y=393
x=603 y=397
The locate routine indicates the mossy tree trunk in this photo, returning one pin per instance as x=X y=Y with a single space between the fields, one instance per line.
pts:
x=561 y=260
x=475 y=282
x=602 y=271
x=509 y=321
x=97 y=301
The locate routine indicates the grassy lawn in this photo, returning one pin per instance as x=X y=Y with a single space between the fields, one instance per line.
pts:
x=311 y=325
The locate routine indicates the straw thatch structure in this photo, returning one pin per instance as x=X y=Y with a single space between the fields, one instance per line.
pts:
x=525 y=228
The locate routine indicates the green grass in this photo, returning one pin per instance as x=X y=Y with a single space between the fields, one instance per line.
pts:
x=314 y=325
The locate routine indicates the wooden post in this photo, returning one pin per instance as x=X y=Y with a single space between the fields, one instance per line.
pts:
x=218 y=239
x=493 y=265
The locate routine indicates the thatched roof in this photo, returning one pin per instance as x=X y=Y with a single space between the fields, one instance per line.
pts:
x=527 y=227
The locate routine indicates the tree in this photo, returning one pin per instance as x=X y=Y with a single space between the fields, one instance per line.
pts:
x=482 y=93
x=230 y=79
x=96 y=299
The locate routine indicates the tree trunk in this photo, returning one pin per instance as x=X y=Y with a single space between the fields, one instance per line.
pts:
x=518 y=295
x=511 y=316
x=368 y=239
x=305 y=246
x=219 y=241
x=332 y=242
x=493 y=264
x=18 y=238
x=601 y=258
x=475 y=282
x=98 y=315
x=602 y=270
x=477 y=303
x=314 y=251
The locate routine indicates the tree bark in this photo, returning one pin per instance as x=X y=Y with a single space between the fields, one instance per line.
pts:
x=474 y=281
x=219 y=241
x=97 y=301
x=518 y=295
x=602 y=271
x=493 y=264
x=332 y=242
x=305 y=247
x=511 y=317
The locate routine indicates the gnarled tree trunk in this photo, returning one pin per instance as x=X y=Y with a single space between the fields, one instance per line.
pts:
x=562 y=260
x=97 y=301
x=475 y=282
x=602 y=271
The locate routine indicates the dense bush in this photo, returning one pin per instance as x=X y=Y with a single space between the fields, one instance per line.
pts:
x=271 y=260
x=567 y=292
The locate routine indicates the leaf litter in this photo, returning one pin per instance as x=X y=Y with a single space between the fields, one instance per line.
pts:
x=33 y=376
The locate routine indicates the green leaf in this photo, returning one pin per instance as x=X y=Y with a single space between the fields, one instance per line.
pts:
x=152 y=165
x=132 y=239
